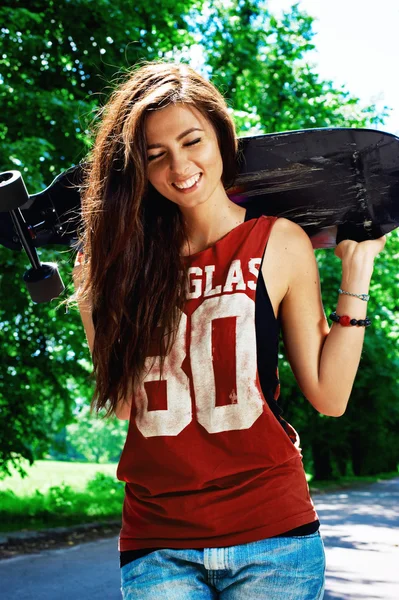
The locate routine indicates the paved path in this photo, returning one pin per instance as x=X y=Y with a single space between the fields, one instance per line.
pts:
x=86 y=572
x=360 y=530
x=361 y=535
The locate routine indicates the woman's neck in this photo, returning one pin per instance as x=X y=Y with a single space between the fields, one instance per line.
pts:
x=206 y=224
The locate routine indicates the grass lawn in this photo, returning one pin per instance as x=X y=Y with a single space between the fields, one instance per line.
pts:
x=58 y=493
x=345 y=483
x=44 y=474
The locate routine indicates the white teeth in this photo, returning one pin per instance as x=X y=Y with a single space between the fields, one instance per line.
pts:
x=189 y=183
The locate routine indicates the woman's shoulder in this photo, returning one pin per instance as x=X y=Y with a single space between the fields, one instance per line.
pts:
x=289 y=227
x=289 y=237
x=289 y=250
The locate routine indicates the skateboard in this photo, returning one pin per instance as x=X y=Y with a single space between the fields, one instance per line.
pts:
x=337 y=184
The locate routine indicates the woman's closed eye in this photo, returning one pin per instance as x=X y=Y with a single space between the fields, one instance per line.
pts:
x=155 y=156
x=193 y=142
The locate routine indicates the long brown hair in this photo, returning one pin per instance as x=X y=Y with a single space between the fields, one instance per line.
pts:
x=132 y=236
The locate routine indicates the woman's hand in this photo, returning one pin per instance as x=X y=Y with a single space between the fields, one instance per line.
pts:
x=351 y=250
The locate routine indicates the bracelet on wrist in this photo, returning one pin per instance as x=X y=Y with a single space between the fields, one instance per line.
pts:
x=365 y=297
x=346 y=321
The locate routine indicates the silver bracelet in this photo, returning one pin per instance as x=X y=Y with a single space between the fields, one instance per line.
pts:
x=365 y=297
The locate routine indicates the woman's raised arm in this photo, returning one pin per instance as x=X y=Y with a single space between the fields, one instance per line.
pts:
x=324 y=361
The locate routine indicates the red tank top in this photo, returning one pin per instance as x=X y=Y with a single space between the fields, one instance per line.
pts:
x=206 y=462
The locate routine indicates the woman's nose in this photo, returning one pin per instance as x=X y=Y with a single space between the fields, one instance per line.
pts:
x=179 y=164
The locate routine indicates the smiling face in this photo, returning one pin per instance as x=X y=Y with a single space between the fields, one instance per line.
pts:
x=184 y=161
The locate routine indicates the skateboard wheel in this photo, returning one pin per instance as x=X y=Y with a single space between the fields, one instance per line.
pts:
x=45 y=283
x=13 y=193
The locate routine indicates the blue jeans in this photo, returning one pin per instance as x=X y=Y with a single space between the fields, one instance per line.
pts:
x=282 y=568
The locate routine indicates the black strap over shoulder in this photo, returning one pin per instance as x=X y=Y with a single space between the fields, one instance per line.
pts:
x=252 y=212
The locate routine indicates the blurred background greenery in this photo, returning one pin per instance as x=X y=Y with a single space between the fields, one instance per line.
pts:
x=59 y=61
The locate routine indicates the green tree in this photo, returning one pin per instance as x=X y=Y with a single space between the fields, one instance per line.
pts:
x=369 y=430
x=57 y=61
x=365 y=440
x=60 y=60
x=44 y=369
x=96 y=439
x=261 y=65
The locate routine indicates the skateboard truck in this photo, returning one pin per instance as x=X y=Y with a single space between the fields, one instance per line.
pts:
x=42 y=280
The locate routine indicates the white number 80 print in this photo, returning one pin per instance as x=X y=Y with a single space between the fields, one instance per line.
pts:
x=248 y=403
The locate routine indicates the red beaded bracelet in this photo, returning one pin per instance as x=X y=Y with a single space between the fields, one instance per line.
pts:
x=346 y=321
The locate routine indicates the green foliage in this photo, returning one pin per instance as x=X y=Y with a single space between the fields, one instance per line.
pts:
x=371 y=424
x=62 y=505
x=364 y=441
x=59 y=62
x=259 y=62
x=56 y=59
x=103 y=484
x=45 y=369
x=106 y=437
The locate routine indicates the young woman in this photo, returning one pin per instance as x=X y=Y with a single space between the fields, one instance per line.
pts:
x=187 y=294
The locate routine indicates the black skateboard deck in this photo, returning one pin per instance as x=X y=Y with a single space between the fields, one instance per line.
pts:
x=336 y=183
